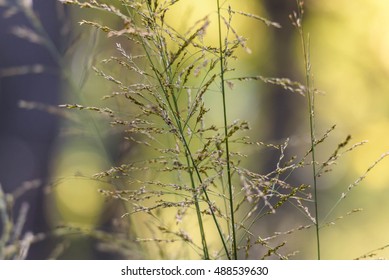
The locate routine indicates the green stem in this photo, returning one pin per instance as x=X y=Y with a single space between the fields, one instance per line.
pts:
x=311 y=107
x=231 y=199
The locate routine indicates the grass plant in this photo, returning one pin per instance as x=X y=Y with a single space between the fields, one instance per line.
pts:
x=170 y=118
x=184 y=185
x=200 y=155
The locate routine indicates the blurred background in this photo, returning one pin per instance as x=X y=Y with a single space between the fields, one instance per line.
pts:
x=47 y=154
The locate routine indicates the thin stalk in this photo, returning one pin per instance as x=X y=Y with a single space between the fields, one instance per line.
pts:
x=311 y=108
x=6 y=225
x=234 y=248
x=198 y=210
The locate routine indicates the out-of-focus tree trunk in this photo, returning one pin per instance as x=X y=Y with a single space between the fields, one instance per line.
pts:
x=285 y=111
x=286 y=106
x=27 y=136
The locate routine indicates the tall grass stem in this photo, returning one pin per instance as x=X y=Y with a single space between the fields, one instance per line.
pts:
x=222 y=84
x=311 y=108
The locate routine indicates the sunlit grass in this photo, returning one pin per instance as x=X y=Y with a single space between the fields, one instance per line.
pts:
x=181 y=174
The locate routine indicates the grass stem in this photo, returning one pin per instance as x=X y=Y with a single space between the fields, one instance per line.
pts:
x=222 y=83
x=311 y=108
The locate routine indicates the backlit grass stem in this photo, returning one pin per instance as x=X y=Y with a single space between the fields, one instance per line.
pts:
x=311 y=108
x=222 y=84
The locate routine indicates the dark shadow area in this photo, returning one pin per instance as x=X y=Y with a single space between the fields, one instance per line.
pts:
x=28 y=73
